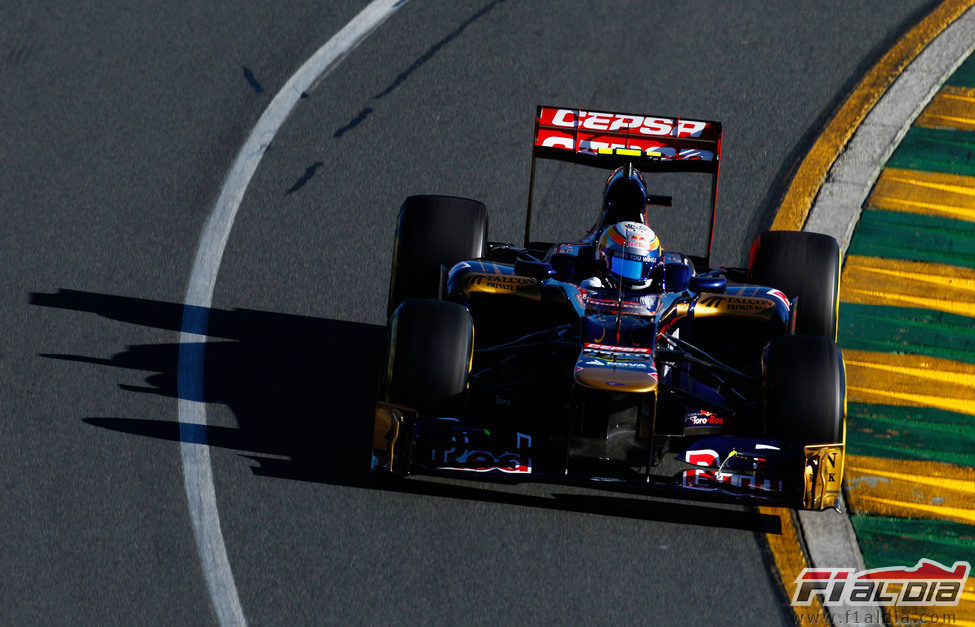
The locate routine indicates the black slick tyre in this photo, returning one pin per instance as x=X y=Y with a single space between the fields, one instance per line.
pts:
x=804 y=266
x=433 y=232
x=804 y=389
x=430 y=347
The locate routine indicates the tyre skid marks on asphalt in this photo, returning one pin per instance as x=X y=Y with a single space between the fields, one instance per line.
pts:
x=195 y=454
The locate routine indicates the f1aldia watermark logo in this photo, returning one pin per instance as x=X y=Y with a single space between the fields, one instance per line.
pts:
x=927 y=583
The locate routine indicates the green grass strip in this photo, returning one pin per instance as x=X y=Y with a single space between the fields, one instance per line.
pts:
x=884 y=430
x=914 y=237
x=903 y=541
x=964 y=76
x=907 y=331
x=936 y=150
x=920 y=433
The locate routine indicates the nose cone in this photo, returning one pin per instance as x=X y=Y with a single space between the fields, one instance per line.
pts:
x=616 y=368
x=616 y=379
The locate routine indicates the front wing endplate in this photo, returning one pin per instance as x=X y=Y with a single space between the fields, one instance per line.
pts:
x=823 y=475
x=390 y=421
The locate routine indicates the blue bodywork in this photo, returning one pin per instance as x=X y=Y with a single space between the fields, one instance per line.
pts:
x=554 y=348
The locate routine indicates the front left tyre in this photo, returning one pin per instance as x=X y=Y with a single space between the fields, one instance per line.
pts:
x=430 y=347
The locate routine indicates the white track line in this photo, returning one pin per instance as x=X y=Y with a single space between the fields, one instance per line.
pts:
x=830 y=540
x=197 y=472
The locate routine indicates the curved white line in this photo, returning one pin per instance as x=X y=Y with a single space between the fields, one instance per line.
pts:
x=197 y=472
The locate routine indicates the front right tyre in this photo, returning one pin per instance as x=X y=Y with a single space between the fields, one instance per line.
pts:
x=804 y=390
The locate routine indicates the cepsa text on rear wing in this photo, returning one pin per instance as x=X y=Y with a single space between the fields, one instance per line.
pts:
x=608 y=140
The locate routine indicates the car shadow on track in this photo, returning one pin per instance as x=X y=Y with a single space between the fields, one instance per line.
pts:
x=632 y=507
x=302 y=390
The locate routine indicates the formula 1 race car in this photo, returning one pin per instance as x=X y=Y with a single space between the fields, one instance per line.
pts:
x=608 y=361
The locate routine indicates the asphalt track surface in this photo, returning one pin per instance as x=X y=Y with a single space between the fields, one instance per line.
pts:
x=119 y=125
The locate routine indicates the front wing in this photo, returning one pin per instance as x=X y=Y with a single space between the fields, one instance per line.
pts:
x=724 y=468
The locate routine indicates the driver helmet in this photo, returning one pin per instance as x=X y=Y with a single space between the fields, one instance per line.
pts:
x=625 y=196
x=628 y=251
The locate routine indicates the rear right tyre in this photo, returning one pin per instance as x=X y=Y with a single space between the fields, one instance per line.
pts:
x=804 y=266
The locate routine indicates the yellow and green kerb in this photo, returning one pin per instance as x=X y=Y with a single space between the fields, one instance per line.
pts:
x=907 y=329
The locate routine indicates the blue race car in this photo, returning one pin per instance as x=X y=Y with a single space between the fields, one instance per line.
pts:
x=607 y=360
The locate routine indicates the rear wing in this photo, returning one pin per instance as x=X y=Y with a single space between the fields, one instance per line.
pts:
x=609 y=140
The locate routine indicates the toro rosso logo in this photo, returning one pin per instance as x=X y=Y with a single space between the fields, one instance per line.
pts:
x=702 y=418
